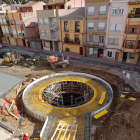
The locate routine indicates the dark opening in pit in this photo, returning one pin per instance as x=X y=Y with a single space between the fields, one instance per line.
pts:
x=68 y=94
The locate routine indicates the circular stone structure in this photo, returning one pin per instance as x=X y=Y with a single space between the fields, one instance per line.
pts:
x=66 y=94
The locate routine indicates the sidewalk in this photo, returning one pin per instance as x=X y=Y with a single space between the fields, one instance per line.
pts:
x=75 y=57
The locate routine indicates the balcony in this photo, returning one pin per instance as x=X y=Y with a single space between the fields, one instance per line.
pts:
x=53 y=25
x=54 y=37
x=99 y=44
x=134 y=15
x=102 y=12
x=77 y=30
x=71 y=41
x=101 y=28
x=8 y=34
x=26 y=14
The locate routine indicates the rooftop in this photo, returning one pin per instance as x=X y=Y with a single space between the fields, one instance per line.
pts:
x=74 y=12
x=134 y=1
x=30 y=4
x=55 y=2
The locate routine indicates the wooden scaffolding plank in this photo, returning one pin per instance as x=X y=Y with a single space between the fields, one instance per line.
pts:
x=56 y=131
x=75 y=133
x=60 y=130
x=65 y=132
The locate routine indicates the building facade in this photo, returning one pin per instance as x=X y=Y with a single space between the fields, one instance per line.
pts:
x=96 y=15
x=48 y=22
x=117 y=14
x=131 y=44
x=71 y=25
x=6 y=33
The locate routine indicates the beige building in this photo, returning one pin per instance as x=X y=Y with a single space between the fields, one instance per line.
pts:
x=48 y=22
x=96 y=13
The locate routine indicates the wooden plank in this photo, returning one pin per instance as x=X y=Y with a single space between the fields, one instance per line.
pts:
x=19 y=89
x=70 y=129
x=13 y=115
x=100 y=114
x=56 y=131
x=60 y=132
x=75 y=133
x=65 y=132
x=11 y=106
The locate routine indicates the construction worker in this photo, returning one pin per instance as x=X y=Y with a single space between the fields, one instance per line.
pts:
x=34 y=61
x=25 y=137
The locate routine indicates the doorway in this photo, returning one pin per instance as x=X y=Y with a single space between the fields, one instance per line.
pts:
x=100 y=53
x=124 y=57
x=81 y=50
x=117 y=56
x=51 y=46
x=23 y=41
x=8 y=40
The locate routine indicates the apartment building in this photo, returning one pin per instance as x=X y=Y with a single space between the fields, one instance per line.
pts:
x=117 y=14
x=96 y=13
x=48 y=21
x=71 y=25
x=24 y=25
x=6 y=33
x=131 y=45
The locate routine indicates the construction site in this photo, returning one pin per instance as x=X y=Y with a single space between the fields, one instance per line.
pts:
x=81 y=101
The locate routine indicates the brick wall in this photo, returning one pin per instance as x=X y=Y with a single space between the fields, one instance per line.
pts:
x=30 y=31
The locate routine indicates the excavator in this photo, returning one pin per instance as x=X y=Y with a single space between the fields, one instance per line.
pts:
x=11 y=57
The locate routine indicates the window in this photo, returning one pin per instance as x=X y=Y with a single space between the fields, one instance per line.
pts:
x=77 y=41
x=77 y=26
x=137 y=45
x=101 y=40
x=19 y=33
x=130 y=44
x=66 y=38
x=47 y=33
x=137 y=11
x=91 y=37
x=101 y=26
x=132 y=55
x=0 y=20
x=90 y=50
x=16 y=21
x=40 y=20
x=118 y=27
x=4 y=20
x=12 y=22
x=62 y=6
x=90 y=26
x=66 y=26
x=114 y=11
x=121 y=10
x=91 y=10
x=3 y=30
x=46 y=22
x=112 y=27
x=113 y=41
x=109 y=54
x=7 y=31
x=102 y=10
x=42 y=33
x=17 y=41
x=49 y=7
x=23 y=33
x=14 y=32
x=133 y=30
x=67 y=49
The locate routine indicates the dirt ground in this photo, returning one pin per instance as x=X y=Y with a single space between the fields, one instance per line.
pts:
x=120 y=123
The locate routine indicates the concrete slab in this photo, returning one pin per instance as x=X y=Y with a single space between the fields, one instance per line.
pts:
x=7 y=82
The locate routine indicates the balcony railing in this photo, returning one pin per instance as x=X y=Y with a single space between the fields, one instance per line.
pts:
x=96 y=43
x=101 y=28
x=66 y=30
x=54 y=37
x=102 y=12
x=71 y=41
x=134 y=15
x=53 y=25
x=77 y=30
x=132 y=32
x=90 y=13
x=90 y=28
x=46 y=23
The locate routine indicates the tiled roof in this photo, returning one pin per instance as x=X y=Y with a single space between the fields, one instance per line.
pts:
x=30 y=4
x=74 y=12
x=136 y=1
x=55 y=2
